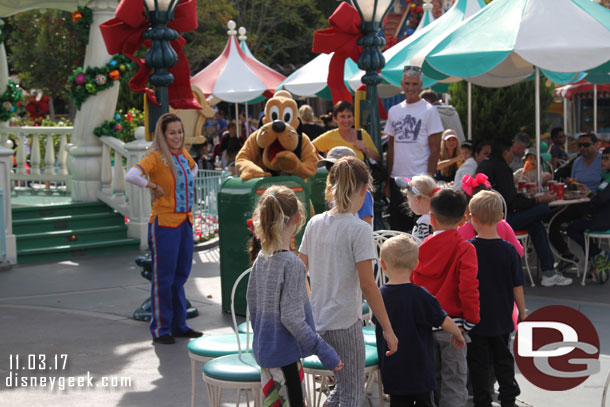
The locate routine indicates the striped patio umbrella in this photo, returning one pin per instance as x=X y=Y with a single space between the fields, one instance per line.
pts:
x=509 y=40
x=413 y=49
x=310 y=80
x=236 y=77
x=503 y=43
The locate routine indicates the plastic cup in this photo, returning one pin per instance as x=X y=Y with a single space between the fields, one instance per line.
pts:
x=559 y=188
x=521 y=186
x=531 y=189
x=552 y=186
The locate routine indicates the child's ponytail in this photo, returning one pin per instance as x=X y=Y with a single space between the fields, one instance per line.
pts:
x=276 y=207
x=346 y=177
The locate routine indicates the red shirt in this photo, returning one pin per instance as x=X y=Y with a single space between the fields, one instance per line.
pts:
x=448 y=270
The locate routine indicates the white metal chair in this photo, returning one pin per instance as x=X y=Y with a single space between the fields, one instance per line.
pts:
x=239 y=371
x=522 y=236
x=380 y=236
x=316 y=373
x=599 y=235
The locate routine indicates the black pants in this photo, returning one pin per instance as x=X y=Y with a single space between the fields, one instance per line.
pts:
x=483 y=352
x=418 y=400
x=571 y=213
x=293 y=385
x=401 y=217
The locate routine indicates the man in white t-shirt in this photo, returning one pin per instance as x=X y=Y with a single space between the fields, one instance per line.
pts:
x=414 y=127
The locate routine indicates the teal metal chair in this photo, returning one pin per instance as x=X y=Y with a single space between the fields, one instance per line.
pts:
x=238 y=371
x=599 y=235
x=209 y=347
x=315 y=372
x=369 y=335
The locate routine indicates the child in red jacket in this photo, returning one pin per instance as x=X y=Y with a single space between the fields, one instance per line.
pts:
x=448 y=270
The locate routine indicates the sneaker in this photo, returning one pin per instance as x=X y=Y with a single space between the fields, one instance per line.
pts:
x=563 y=264
x=164 y=339
x=190 y=333
x=555 y=279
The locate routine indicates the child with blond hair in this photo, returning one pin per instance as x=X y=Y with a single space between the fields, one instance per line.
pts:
x=337 y=248
x=419 y=190
x=282 y=320
x=413 y=313
x=448 y=270
x=500 y=278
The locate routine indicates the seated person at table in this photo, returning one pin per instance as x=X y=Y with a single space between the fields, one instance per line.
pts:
x=597 y=217
x=414 y=312
x=520 y=142
x=586 y=170
x=558 y=154
x=523 y=212
x=529 y=172
x=450 y=157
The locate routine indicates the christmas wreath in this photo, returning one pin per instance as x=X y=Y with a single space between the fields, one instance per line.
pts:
x=10 y=100
x=85 y=83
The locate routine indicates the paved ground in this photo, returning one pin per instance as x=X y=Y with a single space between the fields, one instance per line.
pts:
x=82 y=309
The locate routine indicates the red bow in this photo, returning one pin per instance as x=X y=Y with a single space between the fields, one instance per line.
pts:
x=123 y=34
x=341 y=38
x=469 y=183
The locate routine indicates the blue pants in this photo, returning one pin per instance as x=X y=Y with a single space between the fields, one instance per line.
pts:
x=576 y=231
x=531 y=220
x=172 y=256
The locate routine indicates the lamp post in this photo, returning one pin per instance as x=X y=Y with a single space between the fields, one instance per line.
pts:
x=372 y=13
x=160 y=56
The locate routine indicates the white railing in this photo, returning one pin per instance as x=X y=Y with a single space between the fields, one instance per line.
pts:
x=30 y=165
x=127 y=199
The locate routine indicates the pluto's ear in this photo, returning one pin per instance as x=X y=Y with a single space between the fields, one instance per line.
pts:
x=300 y=127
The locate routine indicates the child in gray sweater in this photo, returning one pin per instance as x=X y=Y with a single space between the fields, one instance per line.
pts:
x=282 y=319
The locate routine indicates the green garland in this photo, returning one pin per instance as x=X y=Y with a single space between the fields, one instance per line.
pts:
x=83 y=84
x=82 y=19
x=112 y=128
x=122 y=126
x=10 y=100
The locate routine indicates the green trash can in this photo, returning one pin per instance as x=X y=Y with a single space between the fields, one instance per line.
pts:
x=317 y=185
x=237 y=200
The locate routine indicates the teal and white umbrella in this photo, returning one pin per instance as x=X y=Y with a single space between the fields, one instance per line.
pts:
x=422 y=41
x=389 y=88
x=502 y=44
x=509 y=40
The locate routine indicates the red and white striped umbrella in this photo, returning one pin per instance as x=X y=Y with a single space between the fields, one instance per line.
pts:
x=236 y=77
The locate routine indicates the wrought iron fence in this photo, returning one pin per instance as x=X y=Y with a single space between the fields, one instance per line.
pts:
x=205 y=210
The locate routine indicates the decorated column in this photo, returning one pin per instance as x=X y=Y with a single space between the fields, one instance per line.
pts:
x=84 y=160
x=6 y=164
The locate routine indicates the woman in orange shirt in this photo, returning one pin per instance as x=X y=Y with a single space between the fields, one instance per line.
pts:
x=171 y=177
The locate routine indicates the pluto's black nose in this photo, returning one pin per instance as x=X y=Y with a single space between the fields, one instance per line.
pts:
x=278 y=126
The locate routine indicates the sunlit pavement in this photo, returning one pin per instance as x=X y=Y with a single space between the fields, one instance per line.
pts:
x=80 y=311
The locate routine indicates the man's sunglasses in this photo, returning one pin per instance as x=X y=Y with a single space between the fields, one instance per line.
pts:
x=605 y=157
x=585 y=145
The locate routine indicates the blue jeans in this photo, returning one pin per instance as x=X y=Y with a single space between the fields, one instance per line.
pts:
x=531 y=220
x=576 y=231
